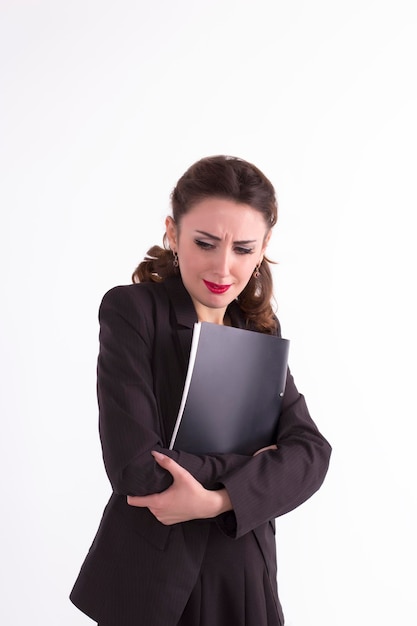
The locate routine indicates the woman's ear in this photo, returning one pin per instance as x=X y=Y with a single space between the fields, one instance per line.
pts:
x=171 y=232
x=266 y=242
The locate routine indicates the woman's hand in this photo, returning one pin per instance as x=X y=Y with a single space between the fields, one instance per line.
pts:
x=273 y=447
x=184 y=500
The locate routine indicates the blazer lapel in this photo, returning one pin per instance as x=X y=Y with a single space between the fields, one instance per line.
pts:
x=184 y=311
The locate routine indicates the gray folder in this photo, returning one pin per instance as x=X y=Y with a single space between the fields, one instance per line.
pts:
x=233 y=391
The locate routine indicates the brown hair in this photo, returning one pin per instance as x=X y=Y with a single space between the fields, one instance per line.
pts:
x=229 y=178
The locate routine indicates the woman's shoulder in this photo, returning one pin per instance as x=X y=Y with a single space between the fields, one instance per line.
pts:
x=132 y=290
x=134 y=295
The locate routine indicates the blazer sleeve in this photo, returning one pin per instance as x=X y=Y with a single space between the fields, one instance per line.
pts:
x=128 y=414
x=277 y=481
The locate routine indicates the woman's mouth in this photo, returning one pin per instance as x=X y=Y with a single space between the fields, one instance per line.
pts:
x=215 y=288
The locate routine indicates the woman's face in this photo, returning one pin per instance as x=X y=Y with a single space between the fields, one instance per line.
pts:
x=219 y=243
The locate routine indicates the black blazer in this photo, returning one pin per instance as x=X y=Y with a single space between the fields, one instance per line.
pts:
x=137 y=568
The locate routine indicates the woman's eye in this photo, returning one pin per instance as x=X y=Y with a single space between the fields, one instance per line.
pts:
x=204 y=244
x=240 y=250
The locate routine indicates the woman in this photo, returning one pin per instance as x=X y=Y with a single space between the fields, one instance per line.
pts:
x=188 y=540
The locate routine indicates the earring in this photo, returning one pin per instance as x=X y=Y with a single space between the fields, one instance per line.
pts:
x=175 y=262
x=256 y=272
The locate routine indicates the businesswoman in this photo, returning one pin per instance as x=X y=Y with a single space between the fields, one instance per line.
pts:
x=188 y=540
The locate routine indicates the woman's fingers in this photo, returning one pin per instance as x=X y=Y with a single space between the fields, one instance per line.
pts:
x=273 y=447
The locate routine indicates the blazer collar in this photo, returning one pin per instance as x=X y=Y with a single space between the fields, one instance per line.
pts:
x=181 y=301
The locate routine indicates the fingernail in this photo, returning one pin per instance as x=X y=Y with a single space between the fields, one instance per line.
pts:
x=157 y=454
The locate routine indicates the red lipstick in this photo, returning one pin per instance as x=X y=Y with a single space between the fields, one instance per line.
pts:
x=215 y=288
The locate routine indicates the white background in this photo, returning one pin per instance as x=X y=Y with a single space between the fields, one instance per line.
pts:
x=103 y=106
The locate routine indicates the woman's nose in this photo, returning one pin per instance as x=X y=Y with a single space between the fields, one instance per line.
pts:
x=223 y=262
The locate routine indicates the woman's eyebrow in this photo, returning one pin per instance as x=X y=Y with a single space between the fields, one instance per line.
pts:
x=210 y=236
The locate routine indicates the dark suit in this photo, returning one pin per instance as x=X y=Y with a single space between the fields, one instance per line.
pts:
x=138 y=568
